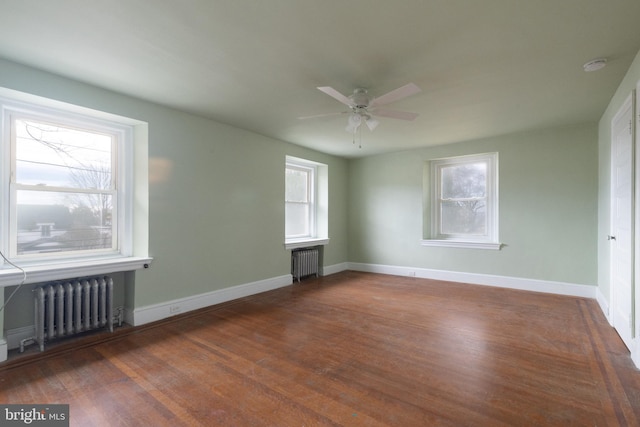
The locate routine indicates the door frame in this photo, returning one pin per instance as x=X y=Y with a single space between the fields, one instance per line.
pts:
x=629 y=103
x=635 y=349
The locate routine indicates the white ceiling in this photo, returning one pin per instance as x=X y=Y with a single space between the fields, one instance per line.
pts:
x=485 y=68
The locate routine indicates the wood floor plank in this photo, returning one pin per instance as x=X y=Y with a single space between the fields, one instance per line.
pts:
x=351 y=349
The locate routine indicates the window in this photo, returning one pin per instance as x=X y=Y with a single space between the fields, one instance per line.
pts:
x=305 y=202
x=67 y=185
x=63 y=188
x=464 y=202
x=300 y=201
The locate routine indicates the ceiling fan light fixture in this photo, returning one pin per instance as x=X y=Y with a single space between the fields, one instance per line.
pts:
x=371 y=123
x=362 y=106
x=353 y=123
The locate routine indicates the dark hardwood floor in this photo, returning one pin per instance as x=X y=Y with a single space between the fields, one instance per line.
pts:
x=351 y=349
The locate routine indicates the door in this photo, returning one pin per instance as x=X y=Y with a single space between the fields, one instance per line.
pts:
x=622 y=222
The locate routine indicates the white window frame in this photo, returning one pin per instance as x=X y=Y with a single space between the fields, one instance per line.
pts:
x=130 y=253
x=317 y=200
x=120 y=169
x=490 y=239
x=311 y=172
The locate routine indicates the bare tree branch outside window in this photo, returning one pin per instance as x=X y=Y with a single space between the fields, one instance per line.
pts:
x=62 y=167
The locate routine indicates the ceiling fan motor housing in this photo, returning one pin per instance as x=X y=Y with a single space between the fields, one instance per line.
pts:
x=360 y=98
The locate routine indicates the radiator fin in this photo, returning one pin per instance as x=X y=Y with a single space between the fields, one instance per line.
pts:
x=72 y=306
x=304 y=262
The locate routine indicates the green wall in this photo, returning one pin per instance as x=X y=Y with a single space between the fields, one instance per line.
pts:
x=216 y=196
x=548 y=185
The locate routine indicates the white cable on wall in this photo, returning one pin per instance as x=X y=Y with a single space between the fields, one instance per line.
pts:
x=24 y=279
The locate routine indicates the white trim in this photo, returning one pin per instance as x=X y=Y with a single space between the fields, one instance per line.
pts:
x=635 y=304
x=623 y=329
x=155 y=312
x=335 y=268
x=635 y=352
x=3 y=350
x=604 y=305
x=319 y=220
x=491 y=197
x=534 y=285
x=121 y=168
x=303 y=243
x=311 y=170
x=59 y=271
x=461 y=244
x=133 y=247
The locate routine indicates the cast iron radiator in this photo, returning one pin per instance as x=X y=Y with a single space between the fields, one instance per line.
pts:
x=304 y=262
x=73 y=306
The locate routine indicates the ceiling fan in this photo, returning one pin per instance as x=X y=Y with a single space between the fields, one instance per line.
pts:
x=363 y=107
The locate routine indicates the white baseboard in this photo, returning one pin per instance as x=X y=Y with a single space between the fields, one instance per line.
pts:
x=534 y=285
x=635 y=352
x=3 y=350
x=152 y=313
x=335 y=268
x=604 y=305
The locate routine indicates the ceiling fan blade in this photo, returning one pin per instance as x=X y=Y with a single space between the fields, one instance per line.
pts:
x=395 y=114
x=336 y=95
x=396 y=95
x=316 y=116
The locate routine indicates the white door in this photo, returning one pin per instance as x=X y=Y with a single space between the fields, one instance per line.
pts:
x=622 y=215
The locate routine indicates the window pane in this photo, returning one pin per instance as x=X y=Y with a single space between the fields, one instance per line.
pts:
x=56 y=221
x=60 y=156
x=464 y=217
x=297 y=185
x=297 y=219
x=464 y=181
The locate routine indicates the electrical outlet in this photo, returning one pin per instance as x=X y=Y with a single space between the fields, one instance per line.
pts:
x=174 y=309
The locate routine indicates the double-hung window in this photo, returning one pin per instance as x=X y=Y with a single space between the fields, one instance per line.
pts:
x=67 y=190
x=306 y=203
x=64 y=187
x=464 y=201
x=300 y=194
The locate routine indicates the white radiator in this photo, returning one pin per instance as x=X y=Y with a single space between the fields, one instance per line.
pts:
x=304 y=262
x=73 y=306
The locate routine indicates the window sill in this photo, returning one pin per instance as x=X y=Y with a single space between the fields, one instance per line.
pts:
x=303 y=243
x=461 y=244
x=10 y=276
